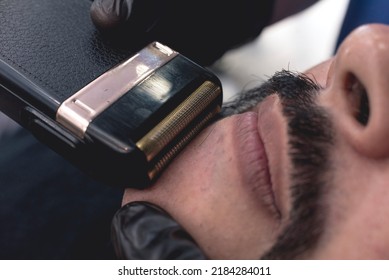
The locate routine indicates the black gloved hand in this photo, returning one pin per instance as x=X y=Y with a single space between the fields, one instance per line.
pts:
x=201 y=30
x=141 y=231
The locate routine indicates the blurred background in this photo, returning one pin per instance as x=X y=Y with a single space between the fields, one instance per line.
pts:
x=295 y=43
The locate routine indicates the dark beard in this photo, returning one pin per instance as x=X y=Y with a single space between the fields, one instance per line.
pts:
x=310 y=138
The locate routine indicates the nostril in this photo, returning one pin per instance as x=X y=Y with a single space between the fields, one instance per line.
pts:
x=358 y=100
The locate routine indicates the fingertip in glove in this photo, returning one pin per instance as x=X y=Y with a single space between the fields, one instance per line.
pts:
x=202 y=30
x=126 y=15
x=142 y=231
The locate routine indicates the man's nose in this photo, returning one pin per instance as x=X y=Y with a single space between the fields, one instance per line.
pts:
x=359 y=89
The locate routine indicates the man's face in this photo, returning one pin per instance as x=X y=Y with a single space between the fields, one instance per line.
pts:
x=302 y=174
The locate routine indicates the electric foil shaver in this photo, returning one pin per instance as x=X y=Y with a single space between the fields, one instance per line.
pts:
x=119 y=119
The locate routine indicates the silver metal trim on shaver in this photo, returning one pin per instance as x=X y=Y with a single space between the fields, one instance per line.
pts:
x=76 y=112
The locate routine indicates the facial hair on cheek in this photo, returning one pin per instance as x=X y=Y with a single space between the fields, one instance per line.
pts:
x=310 y=139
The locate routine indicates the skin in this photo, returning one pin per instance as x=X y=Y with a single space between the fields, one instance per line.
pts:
x=218 y=187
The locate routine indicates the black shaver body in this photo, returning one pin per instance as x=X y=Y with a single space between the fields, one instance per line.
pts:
x=120 y=115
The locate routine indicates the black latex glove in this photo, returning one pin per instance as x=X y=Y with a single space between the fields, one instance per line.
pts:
x=141 y=231
x=202 y=30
